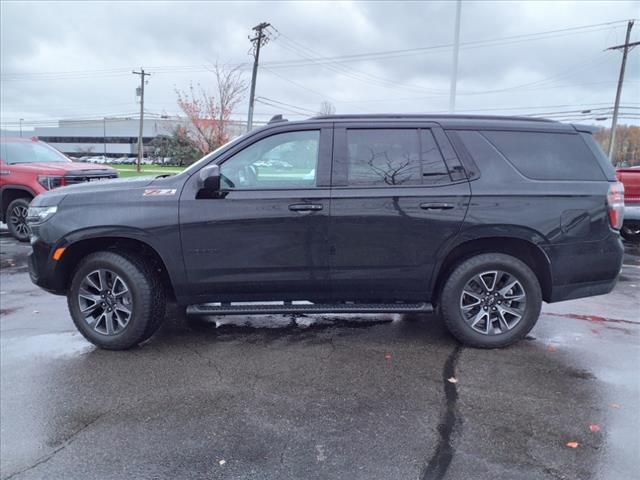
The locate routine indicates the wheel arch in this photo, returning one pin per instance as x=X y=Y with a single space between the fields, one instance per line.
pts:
x=9 y=193
x=77 y=250
x=525 y=250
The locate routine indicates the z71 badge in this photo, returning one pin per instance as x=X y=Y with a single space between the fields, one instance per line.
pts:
x=155 y=192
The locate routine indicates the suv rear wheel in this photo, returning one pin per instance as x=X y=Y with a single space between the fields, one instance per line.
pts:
x=491 y=300
x=116 y=300
x=17 y=219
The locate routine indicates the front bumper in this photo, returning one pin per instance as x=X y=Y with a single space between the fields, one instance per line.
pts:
x=632 y=212
x=44 y=271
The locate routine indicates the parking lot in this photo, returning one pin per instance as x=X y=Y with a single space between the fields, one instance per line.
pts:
x=354 y=397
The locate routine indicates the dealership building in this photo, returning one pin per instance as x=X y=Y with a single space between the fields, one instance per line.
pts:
x=112 y=137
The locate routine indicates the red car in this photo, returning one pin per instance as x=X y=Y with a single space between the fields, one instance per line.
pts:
x=630 y=177
x=28 y=167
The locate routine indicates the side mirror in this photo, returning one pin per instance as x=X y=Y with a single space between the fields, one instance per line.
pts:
x=209 y=179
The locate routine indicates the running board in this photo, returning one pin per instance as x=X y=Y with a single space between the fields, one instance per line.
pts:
x=305 y=307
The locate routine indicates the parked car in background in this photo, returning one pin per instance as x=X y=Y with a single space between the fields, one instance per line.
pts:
x=482 y=218
x=98 y=159
x=630 y=177
x=29 y=167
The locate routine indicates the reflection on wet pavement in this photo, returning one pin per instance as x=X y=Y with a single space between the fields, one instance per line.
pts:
x=317 y=396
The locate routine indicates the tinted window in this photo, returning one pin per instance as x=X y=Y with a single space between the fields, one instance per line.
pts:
x=29 y=152
x=379 y=157
x=434 y=169
x=547 y=156
x=602 y=158
x=285 y=160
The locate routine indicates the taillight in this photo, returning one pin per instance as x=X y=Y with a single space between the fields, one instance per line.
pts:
x=51 y=181
x=615 y=204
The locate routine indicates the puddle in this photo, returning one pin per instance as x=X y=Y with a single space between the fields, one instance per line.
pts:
x=51 y=345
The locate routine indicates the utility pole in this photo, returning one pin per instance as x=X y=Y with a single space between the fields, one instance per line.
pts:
x=21 y=120
x=616 y=106
x=257 y=41
x=454 y=68
x=140 y=150
x=104 y=136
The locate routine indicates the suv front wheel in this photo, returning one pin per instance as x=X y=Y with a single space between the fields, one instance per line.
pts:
x=116 y=300
x=17 y=219
x=491 y=300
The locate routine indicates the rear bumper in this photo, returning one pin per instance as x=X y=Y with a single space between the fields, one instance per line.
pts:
x=632 y=212
x=560 y=293
x=584 y=269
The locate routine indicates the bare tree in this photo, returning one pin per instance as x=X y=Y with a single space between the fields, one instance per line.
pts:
x=231 y=89
x=391 y=173
x=326 y=108
x=209 y=115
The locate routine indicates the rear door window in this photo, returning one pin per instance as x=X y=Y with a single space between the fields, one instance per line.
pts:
x=393 y=157
x=547 y=156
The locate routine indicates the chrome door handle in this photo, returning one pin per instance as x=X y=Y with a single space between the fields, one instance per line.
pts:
x=305 y=207
x=436 y=206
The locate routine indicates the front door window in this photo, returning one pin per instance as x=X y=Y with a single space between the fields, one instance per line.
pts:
x=281 y=161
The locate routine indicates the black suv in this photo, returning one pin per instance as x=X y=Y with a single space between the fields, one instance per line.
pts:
x=482 y=217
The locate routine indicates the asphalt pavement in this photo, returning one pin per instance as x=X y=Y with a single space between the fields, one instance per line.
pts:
x=319 y=397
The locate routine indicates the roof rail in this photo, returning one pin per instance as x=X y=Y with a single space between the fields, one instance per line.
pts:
x=428 y=116
x=277 y=119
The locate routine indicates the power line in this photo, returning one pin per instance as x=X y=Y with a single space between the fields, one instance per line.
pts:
x=280 y=108
x=304 y=87
x=471 y=44
x=122 y=71
x=313 y=112
x=301 y=50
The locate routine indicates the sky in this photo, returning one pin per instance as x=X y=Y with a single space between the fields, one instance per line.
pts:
x=74 y=59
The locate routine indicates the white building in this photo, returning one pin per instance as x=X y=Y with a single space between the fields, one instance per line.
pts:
x=111 y=137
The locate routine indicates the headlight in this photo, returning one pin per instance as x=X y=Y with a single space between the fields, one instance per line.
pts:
x=37 y=215
x=50 y=181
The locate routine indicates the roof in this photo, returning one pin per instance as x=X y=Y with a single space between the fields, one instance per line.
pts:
x=433 y=117
x=451 y=122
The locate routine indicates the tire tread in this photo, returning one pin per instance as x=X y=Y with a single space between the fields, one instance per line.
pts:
x=450 y=308
x=150 y=292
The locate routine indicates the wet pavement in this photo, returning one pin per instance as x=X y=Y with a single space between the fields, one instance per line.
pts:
x=353 y=397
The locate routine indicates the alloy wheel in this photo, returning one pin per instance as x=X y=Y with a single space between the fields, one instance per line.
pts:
x=18 y=219
x=105 y=302
x=493 y=302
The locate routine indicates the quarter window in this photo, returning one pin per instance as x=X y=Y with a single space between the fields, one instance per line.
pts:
x=547 y=156
x=284 y=160
x=388 y=157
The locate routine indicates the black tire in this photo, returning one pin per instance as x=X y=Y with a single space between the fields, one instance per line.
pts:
x=147 y=297
x=452 y=294
x=17 y=219
x=630 y=231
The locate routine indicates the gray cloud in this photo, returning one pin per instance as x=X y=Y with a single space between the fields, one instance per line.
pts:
x=90 y=36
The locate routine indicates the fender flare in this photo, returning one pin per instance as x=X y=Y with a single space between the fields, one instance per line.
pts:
x=487 y=232
x=175 y=270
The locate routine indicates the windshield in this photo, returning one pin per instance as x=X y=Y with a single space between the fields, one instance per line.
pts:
x=30 y=152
